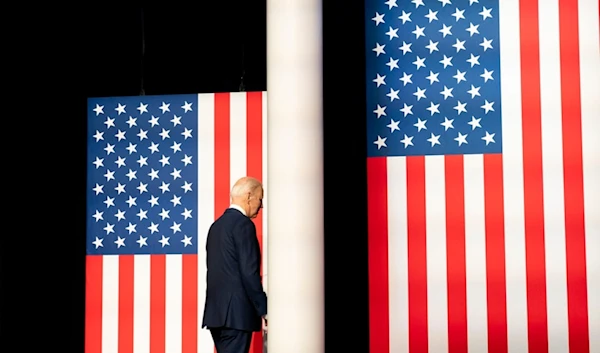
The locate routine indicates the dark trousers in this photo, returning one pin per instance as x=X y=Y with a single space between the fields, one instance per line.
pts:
x=229 y=340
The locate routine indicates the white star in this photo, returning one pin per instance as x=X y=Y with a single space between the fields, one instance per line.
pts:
x=131 y=201
x=433 y=108
x=406 y=78
x=98 y=136
x=98 y=242
x=164 y=160
x=445 y=31
x=187 y=107
x=154 y=121
x=142 y=214
x=153 y=147
x=393 y=94
x=142 y=187
x=164 y=241
x=98 y=189
x=120 y=135
x=460 y=44
x=176 y=200
x=176 y=227
x=447 y=124
x=380 y=111
x=461 y=139
x=379 y=80
x=142 y=134
x=142 y=161
x=109 y=175
x=488 y=106
x=109 y=122
x=379 y=49
x=109 y=228
x=153 y=228
x=460 y=76
x=164 y=134
x=164 y=187
x=445 y=2
x=98 y=215
x=407 y=109
x=405 y=48
x=186 y=214
x=164 y=214
x=473 y=1
x=165 y=107
x=393 y=64
x=420 y=125
x=176 y=120
x=120 y=242
x=176 y=173
x=120 y=215
x=153 y=174
x=110 y=201
x=153 y=201
x=446 y=61
x=380 y=142
x=432 y=46
x=120 y=188
x=188 y=240
x=417 y=3
x=120 y=161
x=474 y=91
x=99 y=110
x=420 y=62
x=378 y=18
x=419 y=31
x=487 y=75
x=142 y=241
x=434 y=139
x=131 y=228
x=473 y=60
x=109 y=148
x=447 y=92
x=98 y=162
x=392 y=33
x=120 y=109
x=393 y=125
x=187 y=160
x=407 y=141
x=472 y=29
x=432 y=15
x=405 y=17
x=131 y=122
x=433 y=77
x=486 y=44
x=143 y=108
x=420 y=93
x=187 y=133
x=391 y=3
x=186 y=187
x=488 y=138
x=460 y=107
x=474 y=122
x=458 y=14
x=176 y=147
x=485 y=13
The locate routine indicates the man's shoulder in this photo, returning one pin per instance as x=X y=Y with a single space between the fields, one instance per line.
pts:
x=233 y=217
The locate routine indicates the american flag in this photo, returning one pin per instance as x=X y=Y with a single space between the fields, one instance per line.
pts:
x=483 y=175
x=160 y=169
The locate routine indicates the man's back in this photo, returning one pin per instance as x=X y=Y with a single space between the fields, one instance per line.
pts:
x=234 y=292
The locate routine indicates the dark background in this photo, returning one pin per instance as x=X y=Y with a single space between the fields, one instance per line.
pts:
x=69 y=54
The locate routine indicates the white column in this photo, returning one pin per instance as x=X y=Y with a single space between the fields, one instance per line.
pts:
x=294 y=194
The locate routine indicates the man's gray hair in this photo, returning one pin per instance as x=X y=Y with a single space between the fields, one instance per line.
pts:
x=244 y=186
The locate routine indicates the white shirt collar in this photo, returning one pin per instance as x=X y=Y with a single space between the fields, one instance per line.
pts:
x=238 y=208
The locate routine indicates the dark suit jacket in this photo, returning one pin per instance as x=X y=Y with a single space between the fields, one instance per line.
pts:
x=234 y=293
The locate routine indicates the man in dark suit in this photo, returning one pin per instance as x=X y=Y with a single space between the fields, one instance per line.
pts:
x=236 y=304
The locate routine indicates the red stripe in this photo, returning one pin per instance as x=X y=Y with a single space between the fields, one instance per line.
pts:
x=126 y=268
x=456 y=266
x=495 y=254
x=573 y=177
x=93 y=304
x=537 y=322
x=189 y=304
x=254 y=169
x=378 y=255
x=417 y=255
x=222 y=154
x=157 y=303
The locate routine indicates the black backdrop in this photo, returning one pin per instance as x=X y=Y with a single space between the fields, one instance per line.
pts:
x=66 y=54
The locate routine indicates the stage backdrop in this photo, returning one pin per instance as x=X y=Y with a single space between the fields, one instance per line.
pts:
x=483 y=175
x=160 y=169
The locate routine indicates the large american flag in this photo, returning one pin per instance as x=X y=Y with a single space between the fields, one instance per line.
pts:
x=483 y=175
x=159 y=173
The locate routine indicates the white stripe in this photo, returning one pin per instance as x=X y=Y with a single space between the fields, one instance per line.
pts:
x=589 y=56
x=110 y=303
x=206 y=208
x=141 y=304
x=237 y=139
x=173 y=301
x=397 y=254
x=437 y=299
x=514 y=214
x=265 y=173
x=475 y=253
x=554 y=207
